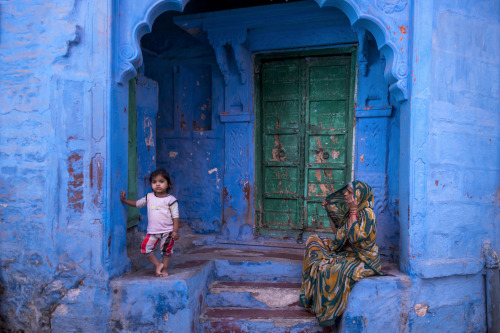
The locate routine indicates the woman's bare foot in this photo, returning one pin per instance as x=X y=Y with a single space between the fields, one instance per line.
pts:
x=159 y=270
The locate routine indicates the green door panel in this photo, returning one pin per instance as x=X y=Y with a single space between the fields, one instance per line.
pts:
x=281 y=181
x=281 y=148
x=316 y=220
x=327 y=149
x=133 y=213
x=281 y=214
x=323 y=181
x=327 y=115
x=280 y=81
x=303 y=138
x=281 y=115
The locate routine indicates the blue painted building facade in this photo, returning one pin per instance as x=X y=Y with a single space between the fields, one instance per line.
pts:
x=426 y=124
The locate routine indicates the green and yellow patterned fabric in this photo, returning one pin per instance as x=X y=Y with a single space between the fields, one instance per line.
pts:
x=330 y=270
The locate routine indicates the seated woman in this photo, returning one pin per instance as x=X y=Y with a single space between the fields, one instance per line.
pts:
x=332 y=266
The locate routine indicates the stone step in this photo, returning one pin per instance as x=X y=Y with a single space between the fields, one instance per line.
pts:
x=261 y=271
x=375 y=305
x=256 y=295
x=242 y=320
x=142 y=302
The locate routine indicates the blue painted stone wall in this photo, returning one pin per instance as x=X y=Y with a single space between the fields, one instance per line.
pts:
x=189 y=133
x=63 y=154
x=53 y=191
x=455 y=159
x=196 y=156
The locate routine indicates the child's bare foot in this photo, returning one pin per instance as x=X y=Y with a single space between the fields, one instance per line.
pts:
x=159 y=270
x=164 y=272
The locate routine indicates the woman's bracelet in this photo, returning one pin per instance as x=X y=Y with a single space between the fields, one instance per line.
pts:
x=353 y=212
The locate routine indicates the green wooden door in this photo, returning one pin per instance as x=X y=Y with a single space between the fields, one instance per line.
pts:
x=304 y=138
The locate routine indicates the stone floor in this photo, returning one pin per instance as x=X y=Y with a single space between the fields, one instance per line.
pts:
x=246 y=287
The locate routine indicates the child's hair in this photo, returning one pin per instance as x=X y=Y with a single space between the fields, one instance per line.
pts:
x=164 y=174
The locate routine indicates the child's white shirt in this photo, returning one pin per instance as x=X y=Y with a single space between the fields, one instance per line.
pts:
x=161 y=212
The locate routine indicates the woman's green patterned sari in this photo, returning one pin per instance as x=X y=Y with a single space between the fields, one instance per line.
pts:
x=330 y=271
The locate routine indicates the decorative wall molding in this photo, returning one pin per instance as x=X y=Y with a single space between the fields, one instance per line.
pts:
x=378 y=183
x=135 y=19
x=235 y=117
x=373 y=111
x=389 y=22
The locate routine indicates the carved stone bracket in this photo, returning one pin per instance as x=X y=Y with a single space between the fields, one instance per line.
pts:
x=363 y=52
x=239 y=56
x=235 y=39
x=221 y=57
x=388 y=21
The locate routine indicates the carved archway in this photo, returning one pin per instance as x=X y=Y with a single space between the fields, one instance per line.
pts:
x=137 y=20
x=387 y=21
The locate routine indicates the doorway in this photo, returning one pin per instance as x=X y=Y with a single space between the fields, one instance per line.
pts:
x=304 y=137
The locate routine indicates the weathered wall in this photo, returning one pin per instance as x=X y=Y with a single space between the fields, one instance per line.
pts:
x=189 y=133
x=54 y=65
x=455 y=159
x=63 y=227
x=195 y=156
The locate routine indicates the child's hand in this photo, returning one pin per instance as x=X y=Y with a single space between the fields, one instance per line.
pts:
x=175 y=235
x=122 y=195
x=323 y=204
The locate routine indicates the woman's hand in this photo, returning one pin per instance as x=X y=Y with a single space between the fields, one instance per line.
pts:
x=323 y=204
x=122 y=195
x=352 y=204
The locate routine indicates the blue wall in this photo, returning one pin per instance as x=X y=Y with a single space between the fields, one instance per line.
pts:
x=189 y=134
x=54 y=192
x=63 y=133
x=455 y=158
x=172 y=57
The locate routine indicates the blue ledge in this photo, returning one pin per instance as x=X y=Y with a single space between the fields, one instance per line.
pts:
x=373 y=111
x=428 y=269
x=235 y=117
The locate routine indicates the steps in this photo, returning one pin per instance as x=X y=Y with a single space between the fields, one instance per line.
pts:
x=237 y=303
x=247 y=289
x=244 y=306
x=263 y=296
x=142 y=302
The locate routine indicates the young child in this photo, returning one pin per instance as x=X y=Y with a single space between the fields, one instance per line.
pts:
x=163 y=219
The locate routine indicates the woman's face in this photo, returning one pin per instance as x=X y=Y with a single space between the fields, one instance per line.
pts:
x=349 y=195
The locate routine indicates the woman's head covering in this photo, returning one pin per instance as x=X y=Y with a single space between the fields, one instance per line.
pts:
x=336 y=206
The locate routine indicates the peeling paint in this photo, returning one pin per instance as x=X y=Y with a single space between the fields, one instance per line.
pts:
x=61 y=310
x=75 y=182
x=246 y=191
x=421 y=309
